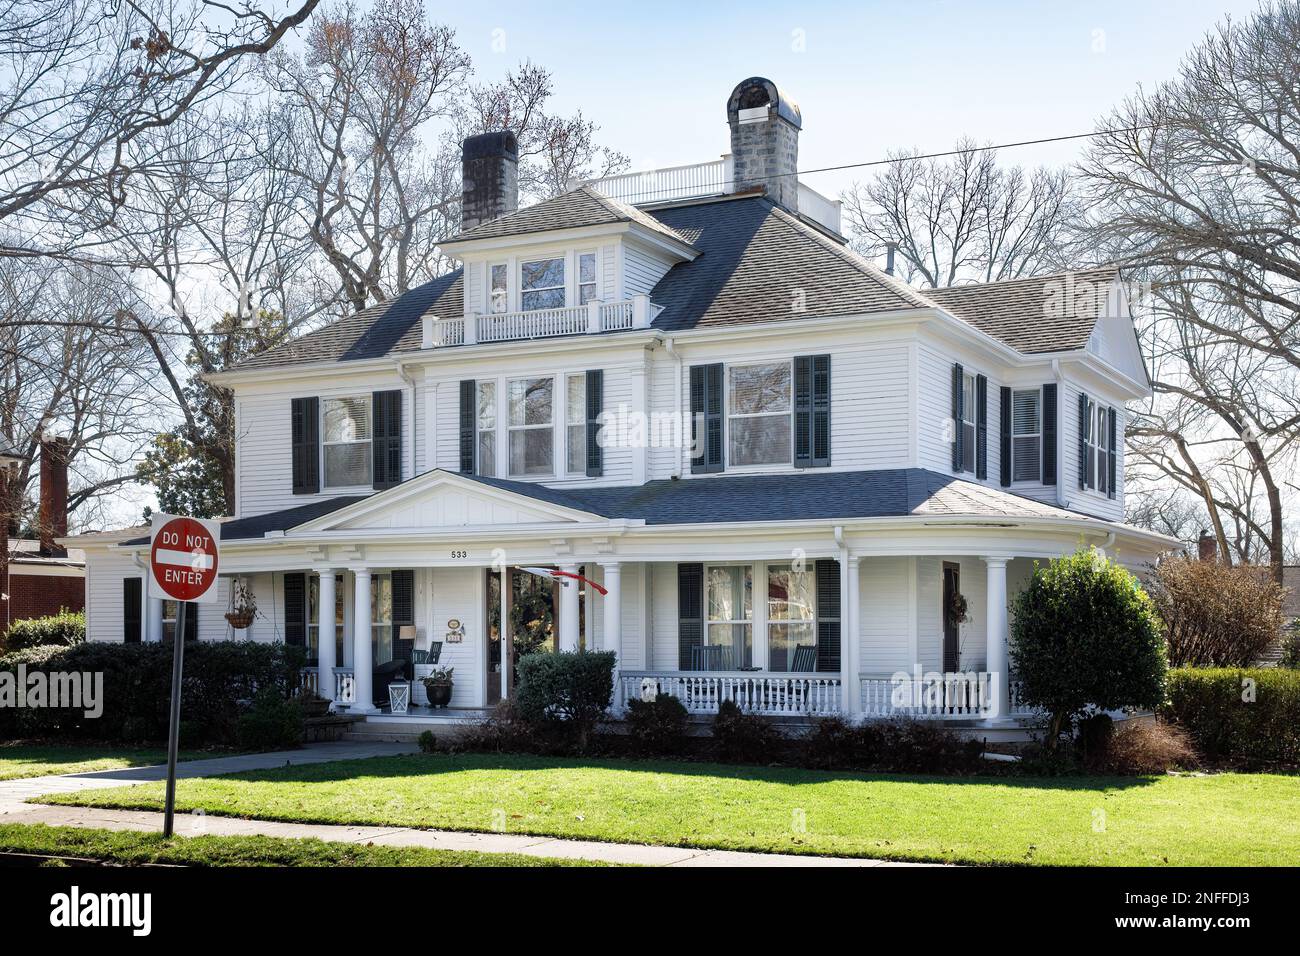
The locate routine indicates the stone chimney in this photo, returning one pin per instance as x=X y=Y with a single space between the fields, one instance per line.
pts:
x=489 y=165
x=765 y=128
x=1207 y=548
x=52 y=515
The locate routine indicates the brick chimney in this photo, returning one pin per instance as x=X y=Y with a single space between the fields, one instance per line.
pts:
x=489 y=164
x=765 y=128
x=1207 y=548
x=52 y=516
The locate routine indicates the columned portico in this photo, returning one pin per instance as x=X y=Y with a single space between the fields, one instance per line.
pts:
x=613 y=610
x=997 y=658
x=569 y=629
x=325 y=635
x=362 y=653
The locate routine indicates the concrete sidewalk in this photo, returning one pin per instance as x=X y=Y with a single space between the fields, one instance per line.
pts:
x=14 y=809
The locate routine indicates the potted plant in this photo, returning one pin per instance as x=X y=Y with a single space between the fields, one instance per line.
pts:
x=438 y=685
x=243 y=606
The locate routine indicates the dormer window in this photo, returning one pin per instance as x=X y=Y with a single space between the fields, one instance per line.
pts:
x=499 y=288
x=542 y=284
x=586 y=277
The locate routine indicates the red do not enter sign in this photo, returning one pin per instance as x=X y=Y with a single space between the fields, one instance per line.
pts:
x=183 y=557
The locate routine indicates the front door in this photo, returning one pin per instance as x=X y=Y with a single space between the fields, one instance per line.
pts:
x=533 y=605
x=951 y=626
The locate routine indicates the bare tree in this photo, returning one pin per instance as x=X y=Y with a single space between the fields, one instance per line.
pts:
x=962 y=218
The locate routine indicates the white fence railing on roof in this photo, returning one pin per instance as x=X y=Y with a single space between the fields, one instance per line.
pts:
x=594 y=317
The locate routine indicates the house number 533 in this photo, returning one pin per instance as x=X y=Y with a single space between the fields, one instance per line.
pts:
x=459 y=554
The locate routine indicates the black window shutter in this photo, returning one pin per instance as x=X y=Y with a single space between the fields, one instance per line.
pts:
x=132 y=609
x=803 y=411
x=690 y=612
x=957 y=415
x=386 y=438
x=191 y=621
x=305 y=445
x=1050 y=417
x=468 y=424
x=1004 y=444
x=1083 y=441
x=295 y=609
x=595 y=405
x=812 y=411
x=821 y=432
x=828 y=615
x=403 y=613
x=981 y=426
x=1111 y=453
x=706 y=414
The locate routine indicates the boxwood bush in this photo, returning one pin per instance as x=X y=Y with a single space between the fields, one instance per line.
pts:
x=60 y=630
x=572 y=689
x=221 y=678
x=1252 y=715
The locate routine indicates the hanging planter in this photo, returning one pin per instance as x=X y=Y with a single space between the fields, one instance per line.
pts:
x=243 y=606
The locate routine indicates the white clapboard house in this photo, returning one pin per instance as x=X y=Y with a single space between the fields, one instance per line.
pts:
x=797 y=481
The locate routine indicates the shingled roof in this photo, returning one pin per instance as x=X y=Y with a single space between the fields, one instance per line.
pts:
x=579 y=207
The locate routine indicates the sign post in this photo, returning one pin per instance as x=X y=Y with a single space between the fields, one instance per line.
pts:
x=182 y=568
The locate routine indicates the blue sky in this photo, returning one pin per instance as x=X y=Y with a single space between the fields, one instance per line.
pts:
x=869 y=76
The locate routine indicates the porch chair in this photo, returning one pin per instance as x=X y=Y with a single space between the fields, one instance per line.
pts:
x=711 y=657
x=385 y=674
x=805 y=658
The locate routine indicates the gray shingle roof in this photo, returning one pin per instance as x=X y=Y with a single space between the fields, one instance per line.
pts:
x=583 y=206
x=1040 y=314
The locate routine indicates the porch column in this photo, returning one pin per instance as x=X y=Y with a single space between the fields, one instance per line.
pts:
x=325 y=635
x=362 y=654
x=153 y=628
x=850 y=648
x=569 y=609
x=996 y=659
x=613 y=608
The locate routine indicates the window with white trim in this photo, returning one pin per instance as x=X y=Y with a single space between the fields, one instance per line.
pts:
x=967 y=424
x=760 y=421
x=1099 y=446
x=791 y=618
x=345 y=441
x=313 y=618
x=729 y=634
x=1027 y=435
x=381 y=616
x=170 y=609
x=532 y=426
x=575 y=424
x=542 y=284
x=586 y=277
x=486 y=429
x=498 y=288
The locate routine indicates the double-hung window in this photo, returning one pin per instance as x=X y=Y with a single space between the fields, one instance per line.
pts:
x=791 y=618
x=313 y=618
x=542 y=284
x=729 y=636
x=487 y=427
x=575 y=424
x=967 y=423
x=346 y=441
x=1027 y=435
x=498 y=288
x=1099 y=446
x=759 y=415
x=586 y=277
x=532 y=431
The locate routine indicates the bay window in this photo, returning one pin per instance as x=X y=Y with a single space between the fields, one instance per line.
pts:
x=345 y=443
x=531 y=426
x=1026 y=435
x=313 y=617
x=728 y=637
x=759 y=415
x=575 y=424
x=542 y=284
x=486 y=429
x=791 y=618
x=586 y=277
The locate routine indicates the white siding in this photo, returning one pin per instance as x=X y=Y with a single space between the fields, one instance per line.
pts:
x=446 y=593
x=105 y=572
x=642 y=270
x=884 y=617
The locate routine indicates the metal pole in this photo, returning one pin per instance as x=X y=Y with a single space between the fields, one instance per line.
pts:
x=174 y=723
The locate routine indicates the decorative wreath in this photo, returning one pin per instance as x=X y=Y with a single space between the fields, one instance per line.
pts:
x=957 y=608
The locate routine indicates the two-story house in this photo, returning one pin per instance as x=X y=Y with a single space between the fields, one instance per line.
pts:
x=782 y=475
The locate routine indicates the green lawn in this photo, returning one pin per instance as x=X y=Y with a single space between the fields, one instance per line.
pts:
x=39 y=760
x=1222 y=819
x=132 y=848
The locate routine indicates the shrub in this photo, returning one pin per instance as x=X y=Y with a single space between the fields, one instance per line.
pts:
x=1095 y=733
x=834 y=744
x=270 y=723
x=1291 y=646
x=505 y=731
x=924 y=746
x=574 y=689
x=57 y=630
x=1214 y=615
x=742 y=737
x=1144 y=747
x=657 y=726
x=428 y=743
x=137 y=689
x=1250 y=715
x=1084 y=633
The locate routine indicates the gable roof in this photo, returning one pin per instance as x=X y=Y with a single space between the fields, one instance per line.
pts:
x=579 y=207
x=1032 y=315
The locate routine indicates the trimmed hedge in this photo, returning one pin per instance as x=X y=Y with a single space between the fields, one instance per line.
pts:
x=1241 y=714
x=221 y=677
x=574 y=689
x=59 y=630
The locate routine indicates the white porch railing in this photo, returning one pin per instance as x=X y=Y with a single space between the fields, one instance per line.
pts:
x=340 y=675
x=594 y=317
x=309 y=681
x=965 y=695
x=755 y=692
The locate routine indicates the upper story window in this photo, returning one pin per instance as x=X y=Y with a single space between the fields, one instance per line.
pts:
x=1097 y=443
x=967 y=424
x=759 y=414
x=487 y=427
x=1026 y=435
x=532 y=433
x=586 y=277
x=542 y=284
x=498 y=288
x=575 y=424
x=345 y=441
